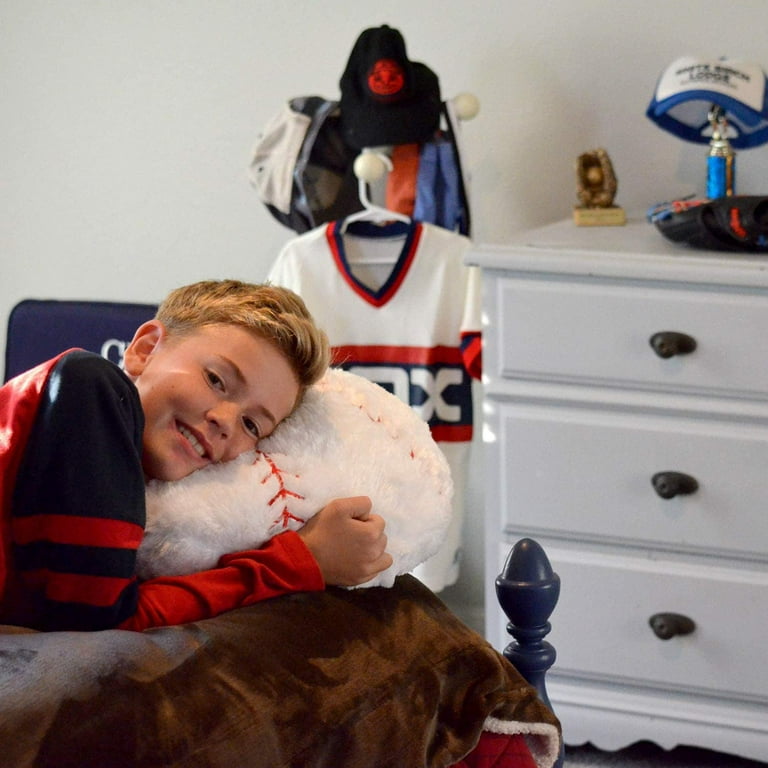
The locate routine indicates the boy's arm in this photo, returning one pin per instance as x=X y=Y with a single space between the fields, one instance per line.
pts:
x=344 y=544
x=282 y=565
x=77 y=510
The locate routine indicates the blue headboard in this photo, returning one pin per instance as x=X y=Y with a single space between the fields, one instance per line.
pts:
x=40 y=329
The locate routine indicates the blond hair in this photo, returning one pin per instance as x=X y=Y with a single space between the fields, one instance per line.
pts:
x=268 y=311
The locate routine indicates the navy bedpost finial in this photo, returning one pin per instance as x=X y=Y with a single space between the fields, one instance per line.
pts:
x=528 y=590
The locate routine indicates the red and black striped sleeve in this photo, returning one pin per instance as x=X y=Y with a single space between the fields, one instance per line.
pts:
x=78 y=510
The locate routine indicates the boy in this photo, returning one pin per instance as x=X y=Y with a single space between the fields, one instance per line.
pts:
x=218 y=368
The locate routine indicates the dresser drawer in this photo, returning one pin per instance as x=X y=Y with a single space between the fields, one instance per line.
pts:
x=599 y=332
x=601 y=624
x=586 y=474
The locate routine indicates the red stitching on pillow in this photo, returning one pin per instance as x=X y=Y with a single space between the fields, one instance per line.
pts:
x=376 y=420
x=282 y=492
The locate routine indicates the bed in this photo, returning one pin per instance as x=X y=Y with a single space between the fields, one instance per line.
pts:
x=356 y=678
x=378 y=677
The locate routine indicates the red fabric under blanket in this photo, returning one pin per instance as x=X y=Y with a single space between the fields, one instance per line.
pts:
x=497 y=750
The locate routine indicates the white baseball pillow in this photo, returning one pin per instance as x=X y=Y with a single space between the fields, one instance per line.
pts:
x=349 y=437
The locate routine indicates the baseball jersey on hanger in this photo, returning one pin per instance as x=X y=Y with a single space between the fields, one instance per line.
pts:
x=400 y=308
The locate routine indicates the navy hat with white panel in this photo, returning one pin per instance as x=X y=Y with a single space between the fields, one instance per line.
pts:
x=689 y=86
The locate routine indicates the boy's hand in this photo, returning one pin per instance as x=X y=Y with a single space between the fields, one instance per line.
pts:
x=348 y=541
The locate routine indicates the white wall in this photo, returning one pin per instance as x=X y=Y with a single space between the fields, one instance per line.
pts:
x=127 y=126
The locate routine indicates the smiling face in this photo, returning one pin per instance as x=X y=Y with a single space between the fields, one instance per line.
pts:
x=207 y=396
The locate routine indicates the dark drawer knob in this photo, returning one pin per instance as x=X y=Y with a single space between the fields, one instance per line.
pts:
x=671 y=484
x=668 y=625
x=670 y=343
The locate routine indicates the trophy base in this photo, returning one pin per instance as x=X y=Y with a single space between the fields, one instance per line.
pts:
x=614 y=216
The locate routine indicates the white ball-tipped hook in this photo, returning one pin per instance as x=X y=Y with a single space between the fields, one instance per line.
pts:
x=466 y=105
x=370 y=165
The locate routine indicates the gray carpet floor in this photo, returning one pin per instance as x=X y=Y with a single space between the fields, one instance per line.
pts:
x=647 y=755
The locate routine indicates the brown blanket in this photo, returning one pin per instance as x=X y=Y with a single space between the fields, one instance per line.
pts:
x=359 y=679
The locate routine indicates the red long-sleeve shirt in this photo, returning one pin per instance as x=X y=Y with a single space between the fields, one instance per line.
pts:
x=72 y=513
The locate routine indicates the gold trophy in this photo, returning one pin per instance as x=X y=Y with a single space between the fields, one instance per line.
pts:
x=596 y=187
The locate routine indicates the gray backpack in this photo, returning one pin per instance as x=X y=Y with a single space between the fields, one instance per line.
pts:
x=302 y=168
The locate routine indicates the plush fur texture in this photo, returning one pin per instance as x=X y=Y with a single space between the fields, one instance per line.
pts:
x=349 y=437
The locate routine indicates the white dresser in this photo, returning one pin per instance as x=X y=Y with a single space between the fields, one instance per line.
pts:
x=581 y=413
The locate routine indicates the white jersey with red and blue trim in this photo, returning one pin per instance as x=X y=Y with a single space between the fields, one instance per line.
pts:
x=400 y=308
